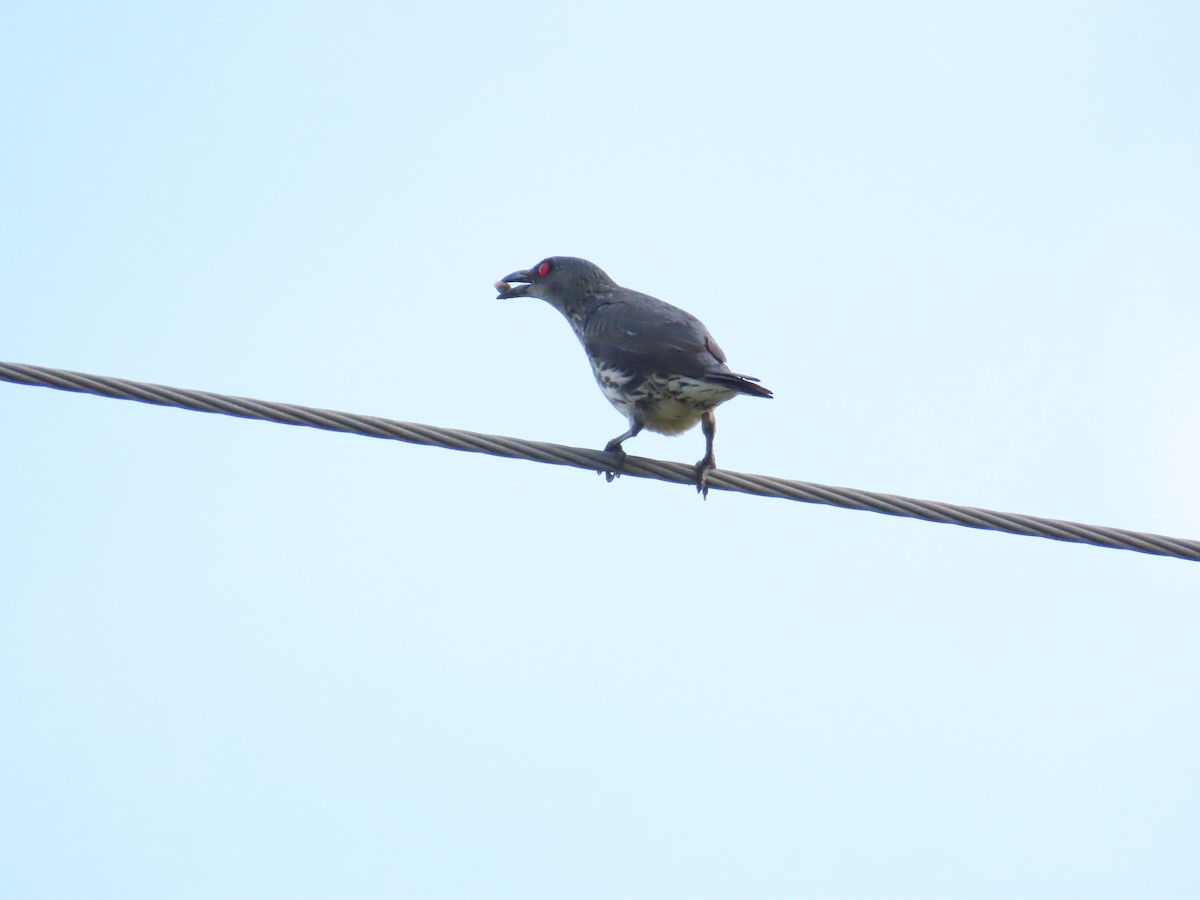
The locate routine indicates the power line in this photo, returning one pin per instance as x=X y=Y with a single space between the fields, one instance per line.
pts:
x=597 y=460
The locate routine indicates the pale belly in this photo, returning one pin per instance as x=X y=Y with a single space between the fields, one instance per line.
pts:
x=669 y=404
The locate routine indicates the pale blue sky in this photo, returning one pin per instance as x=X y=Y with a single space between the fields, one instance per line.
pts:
x=959 y=241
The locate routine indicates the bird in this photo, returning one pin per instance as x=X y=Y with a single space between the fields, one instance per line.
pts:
x=656 y=363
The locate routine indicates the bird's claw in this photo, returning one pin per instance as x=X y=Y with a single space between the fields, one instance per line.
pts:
x=703 y=467
x=621 y=455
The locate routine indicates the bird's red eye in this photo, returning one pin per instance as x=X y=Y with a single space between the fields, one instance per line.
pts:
x=544 y=270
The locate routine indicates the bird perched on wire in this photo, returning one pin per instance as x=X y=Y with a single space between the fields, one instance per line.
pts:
x=654 y=362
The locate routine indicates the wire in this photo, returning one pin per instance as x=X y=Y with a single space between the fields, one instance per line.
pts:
x=597 y=460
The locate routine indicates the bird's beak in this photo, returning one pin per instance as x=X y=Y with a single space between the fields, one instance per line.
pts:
x=514 y=285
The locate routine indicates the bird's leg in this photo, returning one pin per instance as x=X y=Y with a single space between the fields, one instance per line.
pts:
x=708 y=423
x=636 y=424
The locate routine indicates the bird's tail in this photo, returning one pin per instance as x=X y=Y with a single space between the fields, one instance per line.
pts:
x=743 y=384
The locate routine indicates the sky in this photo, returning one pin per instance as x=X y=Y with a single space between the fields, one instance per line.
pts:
x=237 y=659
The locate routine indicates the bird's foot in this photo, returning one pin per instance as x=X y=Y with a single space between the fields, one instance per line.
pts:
x=703 y=467
x=615 y=449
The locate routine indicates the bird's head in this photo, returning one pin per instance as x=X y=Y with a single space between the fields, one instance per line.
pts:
x=567 y=283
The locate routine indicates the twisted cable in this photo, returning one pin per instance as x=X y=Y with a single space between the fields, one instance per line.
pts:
x=598 y=460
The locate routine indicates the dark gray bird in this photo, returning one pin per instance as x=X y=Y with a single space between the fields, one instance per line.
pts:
x=654 y=362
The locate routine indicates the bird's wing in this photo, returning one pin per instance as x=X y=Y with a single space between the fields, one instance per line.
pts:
x=639 y=332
